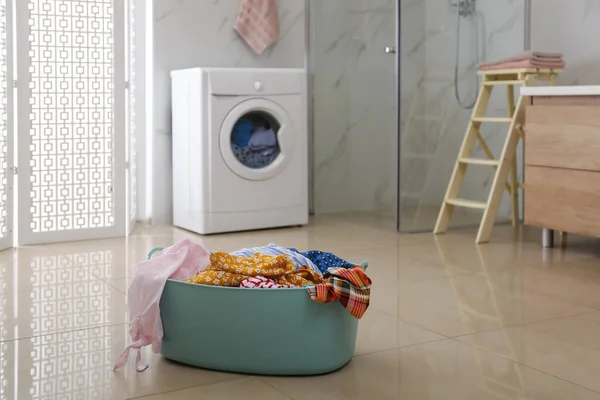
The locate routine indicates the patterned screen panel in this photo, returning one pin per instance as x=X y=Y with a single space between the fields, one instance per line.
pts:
x=72 y=80
x=6 y=287
x=4 y=87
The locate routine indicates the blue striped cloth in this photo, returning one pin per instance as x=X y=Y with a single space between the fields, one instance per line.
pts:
x=273 y=250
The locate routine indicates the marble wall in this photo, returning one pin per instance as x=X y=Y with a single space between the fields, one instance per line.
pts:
x=199 y=33
x=572 y=28
x=354 y=100
x=354 y=139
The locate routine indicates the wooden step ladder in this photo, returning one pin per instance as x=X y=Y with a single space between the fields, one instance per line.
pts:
x=506 y=163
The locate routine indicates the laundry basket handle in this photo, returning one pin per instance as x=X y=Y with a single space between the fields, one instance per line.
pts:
x=154 y=250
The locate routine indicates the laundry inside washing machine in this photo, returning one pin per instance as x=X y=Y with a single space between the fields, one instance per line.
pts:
x=254 y=139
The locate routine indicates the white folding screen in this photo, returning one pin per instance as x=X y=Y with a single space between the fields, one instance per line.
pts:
x=72 y=119
x=6 y=119
x=131 y=108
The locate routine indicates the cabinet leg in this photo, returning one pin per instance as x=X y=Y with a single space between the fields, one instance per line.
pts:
x=563 y=239
x=547 y=238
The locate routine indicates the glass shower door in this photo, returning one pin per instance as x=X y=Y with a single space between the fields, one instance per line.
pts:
x=355 y=135
x=441 y=44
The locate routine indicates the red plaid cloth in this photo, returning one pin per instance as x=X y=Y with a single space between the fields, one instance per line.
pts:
x=352 y=287
x=262 y=282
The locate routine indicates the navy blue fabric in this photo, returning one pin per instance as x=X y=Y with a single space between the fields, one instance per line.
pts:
x=324 y=260
x=242 y=132
x=255 y=159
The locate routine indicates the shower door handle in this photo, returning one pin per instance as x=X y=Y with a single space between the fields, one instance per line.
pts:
x=390 y=50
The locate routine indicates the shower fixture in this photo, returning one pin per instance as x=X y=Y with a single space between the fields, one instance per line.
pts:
x=466 y=9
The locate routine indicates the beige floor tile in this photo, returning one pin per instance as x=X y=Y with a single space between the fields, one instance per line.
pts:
x=117 y=258
x=245 y=388
x=333 y=238
x=121 y=284
x=378 y=331
x=424 y=286
x=458 y=250
x=109 y=258
x=395 y=264
x=567 y=348
x=577 y=246
x=440 y=370
x=471 y=303
x=113 y=258
x=43 y=292
x=79 y=365
x=577 y=281
x=423 y=218
x=381 y=221
x=424 y=256
x=384 y=297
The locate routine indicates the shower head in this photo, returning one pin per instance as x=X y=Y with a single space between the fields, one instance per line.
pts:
x=466 y=8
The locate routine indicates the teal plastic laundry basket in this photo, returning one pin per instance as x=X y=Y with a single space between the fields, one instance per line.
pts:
x=255 y=331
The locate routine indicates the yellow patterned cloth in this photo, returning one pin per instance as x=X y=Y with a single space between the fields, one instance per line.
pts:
x=229 y=270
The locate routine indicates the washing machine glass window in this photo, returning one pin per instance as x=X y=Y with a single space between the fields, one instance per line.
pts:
x=254 y=139
x=266 y=114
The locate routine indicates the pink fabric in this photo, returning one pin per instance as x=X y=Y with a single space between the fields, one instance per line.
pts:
x=258 y=23
x=540 y=54
x=524 y=64
x=262 y=282
x=537 y=57
x=180 y=262
x=529 y=55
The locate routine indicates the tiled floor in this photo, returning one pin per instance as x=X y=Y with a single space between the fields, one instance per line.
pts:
x=448 y=320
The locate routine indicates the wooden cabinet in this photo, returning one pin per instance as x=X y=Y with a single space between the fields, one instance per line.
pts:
x=563 y=199
x=562 y=164
x=564 y=136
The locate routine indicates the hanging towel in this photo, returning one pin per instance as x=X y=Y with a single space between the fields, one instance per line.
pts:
x=180 y=262
x=258 y=23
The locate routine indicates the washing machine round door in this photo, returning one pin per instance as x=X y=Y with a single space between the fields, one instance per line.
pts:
x=257 y=139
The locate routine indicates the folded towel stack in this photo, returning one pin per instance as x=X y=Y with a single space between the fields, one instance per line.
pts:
x=528 y=59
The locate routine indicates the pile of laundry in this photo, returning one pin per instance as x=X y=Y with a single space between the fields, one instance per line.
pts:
x=254 y=143
x=326 y=278
x=527 y=59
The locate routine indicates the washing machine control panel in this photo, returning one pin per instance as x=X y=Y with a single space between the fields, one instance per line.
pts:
x=258 y=85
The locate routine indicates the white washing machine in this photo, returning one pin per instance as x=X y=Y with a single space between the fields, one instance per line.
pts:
x=239 y=149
